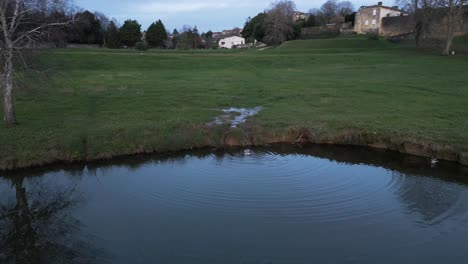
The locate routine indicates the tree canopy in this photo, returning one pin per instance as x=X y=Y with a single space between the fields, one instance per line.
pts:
x=113 y=36
x=189 y=38
x=156 y=34
x=254 y=28
x=23 y=24
x=130 y=33
x=86 y=30
x=279 y=24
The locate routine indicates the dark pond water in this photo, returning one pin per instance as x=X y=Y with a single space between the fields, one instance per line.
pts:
x=282 y=205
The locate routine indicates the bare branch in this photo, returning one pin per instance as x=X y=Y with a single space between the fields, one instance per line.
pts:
x=15 y=16
x=38 y=31
x=23 y=22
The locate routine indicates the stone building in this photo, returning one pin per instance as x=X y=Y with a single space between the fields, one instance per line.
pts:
x=369 y=18
x=300 y=16
x=232 y=32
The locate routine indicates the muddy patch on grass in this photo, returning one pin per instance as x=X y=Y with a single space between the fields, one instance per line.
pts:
x=235 y=116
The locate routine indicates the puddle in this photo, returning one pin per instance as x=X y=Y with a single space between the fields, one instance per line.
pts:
x=236 y=116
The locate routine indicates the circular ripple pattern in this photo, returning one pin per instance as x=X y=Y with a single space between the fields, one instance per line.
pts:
x=296 y=188
x=264 y=208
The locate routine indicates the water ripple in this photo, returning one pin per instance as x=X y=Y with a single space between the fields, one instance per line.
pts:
x=287 y=189
x=265 y=208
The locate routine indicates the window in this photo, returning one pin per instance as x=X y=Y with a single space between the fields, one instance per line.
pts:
x=374 y=12
x=367 y=22
x=222 y=43
x=374 y=21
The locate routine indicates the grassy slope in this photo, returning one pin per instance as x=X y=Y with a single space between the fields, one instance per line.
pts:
x=98 y=103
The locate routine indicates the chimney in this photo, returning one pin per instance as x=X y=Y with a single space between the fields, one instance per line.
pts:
x=380 y=3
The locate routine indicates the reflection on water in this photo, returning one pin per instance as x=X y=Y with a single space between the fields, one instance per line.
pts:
x=435 y=201
x=281 y=205
x=36 y=227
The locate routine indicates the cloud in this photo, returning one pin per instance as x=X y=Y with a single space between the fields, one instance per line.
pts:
x=174 y=7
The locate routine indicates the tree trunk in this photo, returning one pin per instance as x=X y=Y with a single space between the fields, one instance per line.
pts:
x=418 y=34
x=448 y=42
x=450 y=33
x=25 y=245
x=8 y=103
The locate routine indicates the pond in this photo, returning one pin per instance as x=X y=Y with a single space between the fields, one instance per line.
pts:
x=318 y=204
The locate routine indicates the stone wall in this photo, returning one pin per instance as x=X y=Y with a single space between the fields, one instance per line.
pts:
x=396 y=26
x=400 y=26
x=347 y=28
x=320 y=32
x=439 y=28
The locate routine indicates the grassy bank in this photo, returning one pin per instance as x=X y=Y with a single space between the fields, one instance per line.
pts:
x=101 y=103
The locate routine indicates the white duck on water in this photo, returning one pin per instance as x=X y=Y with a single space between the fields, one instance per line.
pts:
x=247 y=152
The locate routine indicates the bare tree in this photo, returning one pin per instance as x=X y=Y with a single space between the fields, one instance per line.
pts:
x=454 y=12
x=428 y=13
x=317 y=13
x=332 y=12
x=345 y=8
x=105 y=22
x=279 y=22
x=23 y=24
x=329 y=11
x=422 y=14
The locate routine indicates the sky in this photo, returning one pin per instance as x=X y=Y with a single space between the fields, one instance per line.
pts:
x=214 y=15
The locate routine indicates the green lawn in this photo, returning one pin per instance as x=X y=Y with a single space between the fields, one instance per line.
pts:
x=100 y=103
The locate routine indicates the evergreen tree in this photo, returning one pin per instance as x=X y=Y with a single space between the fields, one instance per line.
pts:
x=130 y=33
x=175 y=38
x=156 y=34
x=196 y=41
x=87 y=29
x=209 y=42
x=185 y=39
x=113 y=36
x=254 y=29
x=209 y=34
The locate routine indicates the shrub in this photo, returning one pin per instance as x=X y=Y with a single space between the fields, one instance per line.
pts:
x=373 y=36
x=141 y=46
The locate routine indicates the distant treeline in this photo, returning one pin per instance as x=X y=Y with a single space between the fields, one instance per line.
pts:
x=281 y=22
x=97 y=29
x=277 y=24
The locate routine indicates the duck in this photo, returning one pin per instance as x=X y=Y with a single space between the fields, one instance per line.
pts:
x=434 y=161
x=247 y=152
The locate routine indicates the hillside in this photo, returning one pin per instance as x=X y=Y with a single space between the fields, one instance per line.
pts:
x=337 y=45
x=102 y=103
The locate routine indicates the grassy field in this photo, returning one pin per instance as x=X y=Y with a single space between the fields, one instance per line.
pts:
x=101 y=103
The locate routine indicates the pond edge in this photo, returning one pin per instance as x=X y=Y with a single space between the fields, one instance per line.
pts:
x=249 y=135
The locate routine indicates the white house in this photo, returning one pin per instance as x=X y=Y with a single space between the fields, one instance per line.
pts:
x=230 y=42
